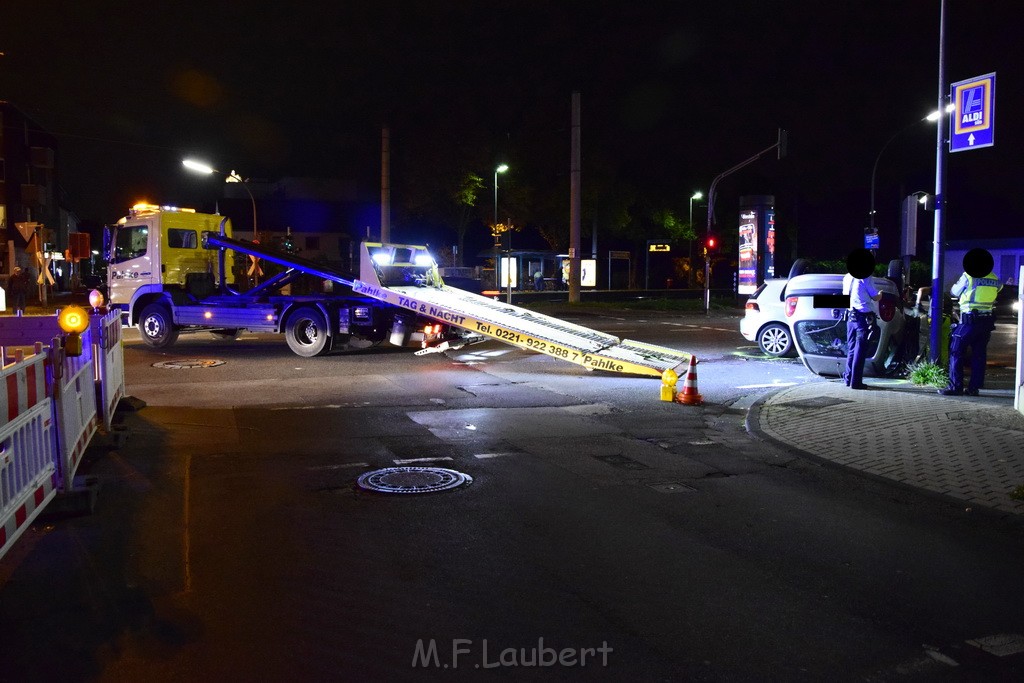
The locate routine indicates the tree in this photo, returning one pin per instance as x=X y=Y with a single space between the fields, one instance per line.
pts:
x=465 y=198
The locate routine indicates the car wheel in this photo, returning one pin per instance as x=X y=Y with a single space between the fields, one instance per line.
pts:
x=229 y=334
x=307 y=332
x=157 y=327
x=775 y=340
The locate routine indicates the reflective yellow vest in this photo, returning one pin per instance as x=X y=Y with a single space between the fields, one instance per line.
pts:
x=980 y=293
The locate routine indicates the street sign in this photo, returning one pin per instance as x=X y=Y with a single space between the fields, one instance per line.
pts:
x=659 y=247
x=27 y=229
x=618 y=254
x=973 y=123
x=870 y=238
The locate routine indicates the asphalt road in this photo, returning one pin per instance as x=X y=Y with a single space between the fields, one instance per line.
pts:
x=635 y=539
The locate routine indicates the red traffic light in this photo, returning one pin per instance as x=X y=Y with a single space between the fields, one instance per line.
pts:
x=712 y=243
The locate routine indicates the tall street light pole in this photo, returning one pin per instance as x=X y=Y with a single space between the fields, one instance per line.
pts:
x=232 y=177
x=696 y=195
x=935 y=309
x=497 y=280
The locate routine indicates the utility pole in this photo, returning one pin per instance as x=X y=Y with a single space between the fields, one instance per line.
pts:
x=574 y=203
x=385 y=184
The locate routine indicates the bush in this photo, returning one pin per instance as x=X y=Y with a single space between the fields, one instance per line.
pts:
x=927 y=373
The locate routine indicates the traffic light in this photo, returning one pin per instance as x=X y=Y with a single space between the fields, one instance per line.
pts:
x=711 y=242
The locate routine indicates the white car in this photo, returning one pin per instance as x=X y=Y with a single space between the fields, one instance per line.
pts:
x=817 y=308
x=764 y=319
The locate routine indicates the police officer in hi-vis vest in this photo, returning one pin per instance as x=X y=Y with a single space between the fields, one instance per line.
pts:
x=977 y=289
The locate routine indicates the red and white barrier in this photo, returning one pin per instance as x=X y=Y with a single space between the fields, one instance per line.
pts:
x=108 y=357
x=27 y=467
x=50 y=408
x=74 y=403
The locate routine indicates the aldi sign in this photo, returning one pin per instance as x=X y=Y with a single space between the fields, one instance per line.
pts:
x=972 y=124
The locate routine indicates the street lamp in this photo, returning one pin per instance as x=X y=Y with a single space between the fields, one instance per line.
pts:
x=232 y=177
x=696 y=195
x=499 y=169
x=497 y=282
x=934 y=116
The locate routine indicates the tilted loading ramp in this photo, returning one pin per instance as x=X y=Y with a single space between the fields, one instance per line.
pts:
x=387 y=279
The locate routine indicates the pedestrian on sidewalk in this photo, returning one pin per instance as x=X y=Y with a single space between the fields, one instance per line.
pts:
x=857 y=284
x=19 y=284
x=976 y=289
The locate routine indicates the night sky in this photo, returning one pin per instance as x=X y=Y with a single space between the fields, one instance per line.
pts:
x=673 y=93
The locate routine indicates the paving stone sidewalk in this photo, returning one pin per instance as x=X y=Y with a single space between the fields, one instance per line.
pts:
x=969 y=449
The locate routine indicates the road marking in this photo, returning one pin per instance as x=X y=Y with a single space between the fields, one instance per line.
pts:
x=485 y=456
x=340 y=466
x=358 y=404
x=766 y=386
x=406 y=461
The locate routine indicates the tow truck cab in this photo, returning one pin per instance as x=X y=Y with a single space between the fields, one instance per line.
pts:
x=158 y=249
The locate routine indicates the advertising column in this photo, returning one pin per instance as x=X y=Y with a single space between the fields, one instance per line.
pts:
x=756 y=242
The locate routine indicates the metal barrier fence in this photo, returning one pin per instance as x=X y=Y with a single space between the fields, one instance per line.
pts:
x=109 y=360
x=27 y=466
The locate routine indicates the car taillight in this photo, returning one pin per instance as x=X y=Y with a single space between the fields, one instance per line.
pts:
x=886 y=307
x=791 y=305
x=752 y=306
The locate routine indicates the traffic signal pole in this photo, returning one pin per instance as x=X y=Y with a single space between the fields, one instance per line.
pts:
x=780 y=144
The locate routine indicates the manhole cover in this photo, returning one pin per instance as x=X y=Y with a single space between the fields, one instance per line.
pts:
x=188 y=363
x=412 y=480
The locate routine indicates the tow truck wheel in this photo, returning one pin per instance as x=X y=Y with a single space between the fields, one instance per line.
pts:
x=157 y=327
x=307 y=333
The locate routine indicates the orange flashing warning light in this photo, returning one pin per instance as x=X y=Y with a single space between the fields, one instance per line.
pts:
x=74 y=321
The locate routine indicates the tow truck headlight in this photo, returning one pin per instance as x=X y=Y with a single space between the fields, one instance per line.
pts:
x=423 y=260
x=382 y=258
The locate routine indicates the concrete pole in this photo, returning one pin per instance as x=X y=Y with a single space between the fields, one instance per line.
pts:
x=574 y=204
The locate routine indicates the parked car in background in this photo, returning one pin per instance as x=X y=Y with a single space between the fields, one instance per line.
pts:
x=1007 y=304
x=764 y=320
x=817 y=309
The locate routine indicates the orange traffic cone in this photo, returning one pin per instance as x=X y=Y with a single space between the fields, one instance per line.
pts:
x=689 y=395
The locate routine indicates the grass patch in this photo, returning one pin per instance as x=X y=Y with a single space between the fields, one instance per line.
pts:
x=1018 y=493
x=927 y=373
